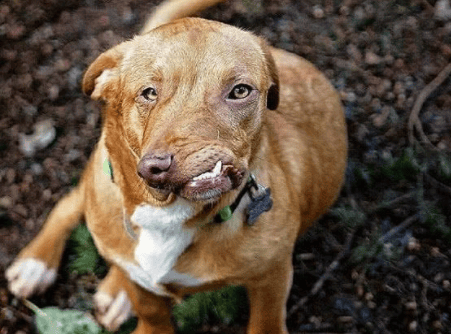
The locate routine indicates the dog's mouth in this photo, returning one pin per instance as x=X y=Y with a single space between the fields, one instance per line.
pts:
x=195 y=178
x=210 y=185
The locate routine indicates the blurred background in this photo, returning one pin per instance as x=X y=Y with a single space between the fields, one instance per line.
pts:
x=379 y=262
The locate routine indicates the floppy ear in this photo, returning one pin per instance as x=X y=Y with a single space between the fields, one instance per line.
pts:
x=272 y=97
x=102 y=73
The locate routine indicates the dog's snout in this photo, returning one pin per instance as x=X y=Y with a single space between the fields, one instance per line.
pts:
x=154 y=167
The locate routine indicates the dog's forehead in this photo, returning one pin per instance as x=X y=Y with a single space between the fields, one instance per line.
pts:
x=227 y=49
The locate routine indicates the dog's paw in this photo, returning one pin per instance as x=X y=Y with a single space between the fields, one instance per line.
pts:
x=111 y=311
x=29 y=276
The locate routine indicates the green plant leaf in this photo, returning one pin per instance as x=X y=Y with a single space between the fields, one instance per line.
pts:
x=86 y=257
x=224 y=305
x=51 y=320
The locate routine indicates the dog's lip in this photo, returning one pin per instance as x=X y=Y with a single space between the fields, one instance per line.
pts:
x=215 y=172
x=210 y=185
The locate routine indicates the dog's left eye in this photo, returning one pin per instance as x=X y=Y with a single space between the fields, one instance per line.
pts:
x=150 y=94
x=239 y=92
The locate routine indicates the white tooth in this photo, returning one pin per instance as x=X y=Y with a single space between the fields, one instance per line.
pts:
x=217 y=168
x=211 y=174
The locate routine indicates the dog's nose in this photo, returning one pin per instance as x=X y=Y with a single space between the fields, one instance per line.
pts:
x=155 y=167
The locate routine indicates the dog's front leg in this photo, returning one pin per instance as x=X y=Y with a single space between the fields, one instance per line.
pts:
x=35 y=268
x=117 y=295
x=268 y=299
x=111 y=301
x=154 y=312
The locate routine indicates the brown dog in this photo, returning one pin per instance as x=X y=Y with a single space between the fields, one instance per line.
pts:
x=201 y=120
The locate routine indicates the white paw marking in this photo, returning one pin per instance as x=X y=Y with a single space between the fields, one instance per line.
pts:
x=112 y=312
x=29 y=276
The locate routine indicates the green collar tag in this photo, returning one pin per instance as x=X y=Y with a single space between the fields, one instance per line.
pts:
x=226 y=213
x=107 y=168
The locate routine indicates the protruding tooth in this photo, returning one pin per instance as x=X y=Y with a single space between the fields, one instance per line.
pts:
x=211 y=174
x=217 y=168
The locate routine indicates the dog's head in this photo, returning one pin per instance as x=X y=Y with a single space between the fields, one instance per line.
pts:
x=184 y=105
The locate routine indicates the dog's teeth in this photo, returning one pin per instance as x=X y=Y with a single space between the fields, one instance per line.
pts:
x=211 y=174
x=217 y=168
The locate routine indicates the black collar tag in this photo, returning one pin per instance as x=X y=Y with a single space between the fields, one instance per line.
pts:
x=261 y=201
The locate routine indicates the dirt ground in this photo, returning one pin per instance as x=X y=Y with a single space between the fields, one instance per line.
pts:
x=378 y=263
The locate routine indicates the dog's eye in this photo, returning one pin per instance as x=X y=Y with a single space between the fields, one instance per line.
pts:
x=150 y=94
x=240 y=91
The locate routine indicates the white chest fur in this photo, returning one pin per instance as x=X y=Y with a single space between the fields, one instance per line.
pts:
x=162 y=239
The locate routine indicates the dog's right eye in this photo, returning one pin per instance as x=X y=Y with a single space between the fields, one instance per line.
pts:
x=150 y=94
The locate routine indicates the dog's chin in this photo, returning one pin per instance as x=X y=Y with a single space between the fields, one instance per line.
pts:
x=161 y=195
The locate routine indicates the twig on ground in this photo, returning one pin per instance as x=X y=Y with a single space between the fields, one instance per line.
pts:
x=437 y=184
x=319 y=284
x=393 y=203
x=398 y=228
x=414 y=121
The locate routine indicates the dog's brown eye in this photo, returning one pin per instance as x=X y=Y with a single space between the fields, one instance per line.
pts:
x=150 y=94
x=240 y=92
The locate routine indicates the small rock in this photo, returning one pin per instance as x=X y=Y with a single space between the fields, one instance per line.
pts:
x=21 y=210
x=104 y=21
x=346 y=319
x=318 y=12
x=62 y=65
x=344 y=10
x=30 y=110
x=369 y=296
x=46 y=194
x=15 y=31
x=8 y=313
x=435 y=251
x=353 y=51
x=371 y=305
x=372 y=59
x=384 y=86
x=413 y=245
x=6 y=202
x=399 y=63
x=442 y=10
x=390 y=96
x=72 y=155
x=44 y=134
x=127 y=15
x=398 y=88
x=315 y=320
x=359 y=14
x=413 y=326
x=351 y=97
x=10 y=175
x=74 y=77
x=4 y=12
x=362 y=132
x=36 y=169
x=411 y=306
x=53 y=92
